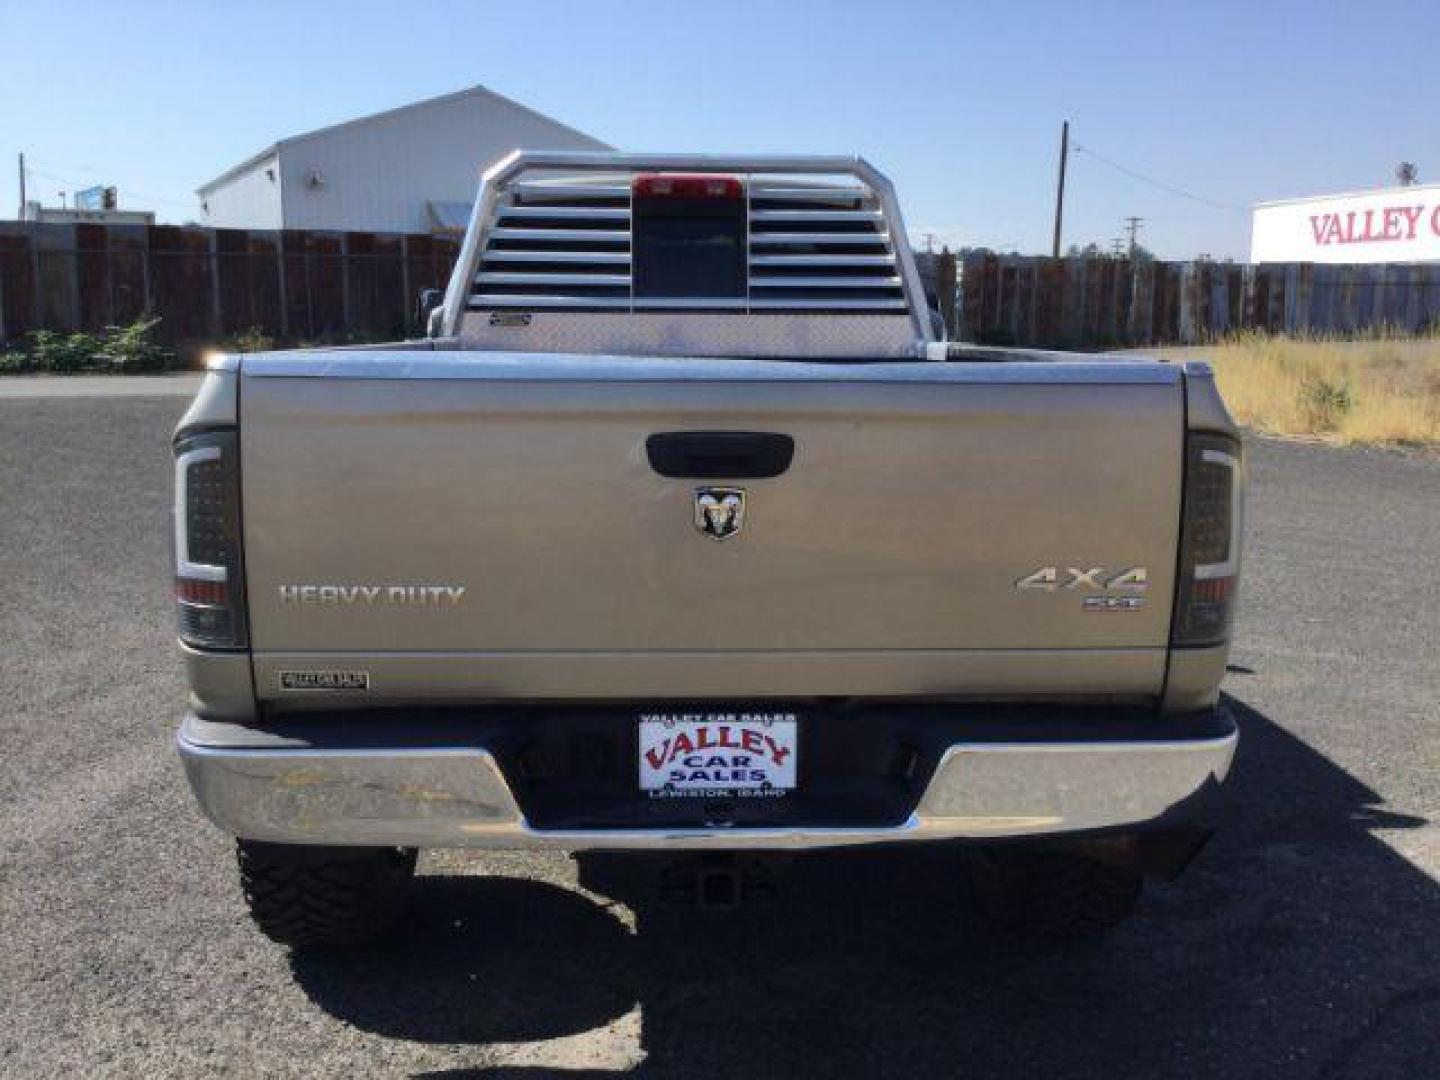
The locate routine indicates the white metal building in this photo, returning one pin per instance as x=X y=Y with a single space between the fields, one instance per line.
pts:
x=1388 y=225
x=412 y=169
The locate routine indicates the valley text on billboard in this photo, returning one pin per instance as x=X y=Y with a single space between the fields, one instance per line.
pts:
x=1394 y=225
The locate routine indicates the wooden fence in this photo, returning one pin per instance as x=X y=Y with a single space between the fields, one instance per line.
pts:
x=207 y=284
x=1080 y=303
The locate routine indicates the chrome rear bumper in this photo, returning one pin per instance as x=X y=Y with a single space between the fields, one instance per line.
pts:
x=458 y=797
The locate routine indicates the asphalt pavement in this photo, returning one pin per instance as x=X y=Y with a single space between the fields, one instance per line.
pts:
x=1305 y=941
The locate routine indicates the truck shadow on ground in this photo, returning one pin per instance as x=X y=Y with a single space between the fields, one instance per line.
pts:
x=1297 y=945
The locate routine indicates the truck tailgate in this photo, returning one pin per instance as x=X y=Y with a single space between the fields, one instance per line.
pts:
x=491 y=527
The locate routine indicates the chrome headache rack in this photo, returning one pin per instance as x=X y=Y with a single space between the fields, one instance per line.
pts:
x=623 y=252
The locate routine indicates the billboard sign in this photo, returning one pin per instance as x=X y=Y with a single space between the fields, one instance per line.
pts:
x=1395 y=225
x=92 y=198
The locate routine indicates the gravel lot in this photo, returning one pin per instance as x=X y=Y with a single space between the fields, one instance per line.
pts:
x=1303 y=943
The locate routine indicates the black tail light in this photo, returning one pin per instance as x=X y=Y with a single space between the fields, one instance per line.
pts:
x=1209 y=540
x=209 y=575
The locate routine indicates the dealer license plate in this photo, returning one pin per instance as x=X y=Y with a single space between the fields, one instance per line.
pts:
x=740 y=754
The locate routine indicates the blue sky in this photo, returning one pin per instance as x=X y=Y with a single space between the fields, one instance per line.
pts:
x=961 y=104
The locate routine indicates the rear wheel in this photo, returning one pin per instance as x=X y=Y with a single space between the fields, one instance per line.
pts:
x=324 y=897
x=1052 y=892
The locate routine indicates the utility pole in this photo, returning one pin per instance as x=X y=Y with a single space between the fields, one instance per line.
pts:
x=22 y=185
x=1117 y=247
x=1132 y=226
x=1060 y=188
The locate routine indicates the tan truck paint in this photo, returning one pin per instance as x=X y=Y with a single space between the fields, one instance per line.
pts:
x=885 y=560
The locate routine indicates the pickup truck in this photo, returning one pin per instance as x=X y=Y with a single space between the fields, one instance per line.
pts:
x=684 y=531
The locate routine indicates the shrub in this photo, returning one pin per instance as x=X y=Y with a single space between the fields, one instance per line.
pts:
x=1325 y=401
x=51 y=350
x=134 y=348
x=252 y=340
x=124 y=348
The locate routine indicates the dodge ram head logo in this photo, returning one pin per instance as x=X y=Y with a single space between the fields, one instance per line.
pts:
x=719 y=512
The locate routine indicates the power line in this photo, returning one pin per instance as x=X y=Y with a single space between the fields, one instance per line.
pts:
x=72 y=183
x=1132 y=226
x=131 y=192
x=1133 y=174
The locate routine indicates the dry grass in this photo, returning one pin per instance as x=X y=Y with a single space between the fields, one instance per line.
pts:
x=1381 y=391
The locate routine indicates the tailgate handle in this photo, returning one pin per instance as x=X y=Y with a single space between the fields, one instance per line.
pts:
x=719 y=455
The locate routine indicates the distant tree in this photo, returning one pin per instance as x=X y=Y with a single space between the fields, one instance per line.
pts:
x=1407 y=173
x=1093 y=250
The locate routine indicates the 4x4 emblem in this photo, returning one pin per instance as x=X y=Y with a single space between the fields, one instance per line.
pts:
x=719 y=511
x=1047 y=579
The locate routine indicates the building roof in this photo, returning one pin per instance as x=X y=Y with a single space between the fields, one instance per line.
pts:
x=1393 y=189
x=476 y=91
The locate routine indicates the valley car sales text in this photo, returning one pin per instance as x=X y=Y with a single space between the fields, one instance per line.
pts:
x=1389 y=223
x=1398 y=225
x=725 y=750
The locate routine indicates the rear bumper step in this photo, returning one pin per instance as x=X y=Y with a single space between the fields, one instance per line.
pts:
x=317 y=791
